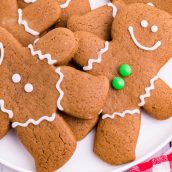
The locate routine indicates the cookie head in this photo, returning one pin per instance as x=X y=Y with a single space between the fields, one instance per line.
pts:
x=25 y=80
x=143 y=28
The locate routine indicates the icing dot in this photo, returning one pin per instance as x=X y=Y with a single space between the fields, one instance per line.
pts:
x=154 y=28
x=28 y=88
x=144 y=23
x=16 y=78
x=118 y=83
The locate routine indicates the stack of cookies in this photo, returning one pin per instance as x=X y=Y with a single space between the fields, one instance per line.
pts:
x=66 y=69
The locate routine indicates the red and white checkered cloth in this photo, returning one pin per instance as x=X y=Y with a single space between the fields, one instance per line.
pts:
x=159 y=164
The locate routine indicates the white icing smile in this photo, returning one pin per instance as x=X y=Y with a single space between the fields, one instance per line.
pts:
x=154 y=47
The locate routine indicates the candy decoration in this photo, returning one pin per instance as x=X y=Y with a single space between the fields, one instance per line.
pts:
x=118 y=83
x=125 y=70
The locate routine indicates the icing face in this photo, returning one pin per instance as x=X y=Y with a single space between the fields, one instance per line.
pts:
x=16 y=78
x=154 y=29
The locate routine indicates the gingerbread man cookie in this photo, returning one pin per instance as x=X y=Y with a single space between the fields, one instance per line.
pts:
x=23 y=24
x=32 y=90
x=98 y=21
x=141 y=46
x=165 y=5
x=68 y=8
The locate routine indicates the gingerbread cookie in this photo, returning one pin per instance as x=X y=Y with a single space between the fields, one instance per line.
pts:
x=32 y=90
x=132 y=63
x=98 y=21
x=80 y=127
x=165 y=5
x=24 y=25
x=69 y=8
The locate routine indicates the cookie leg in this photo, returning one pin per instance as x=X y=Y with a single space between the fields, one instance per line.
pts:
x=159 y=104
x=5 y=124
x=50 y=143
x=116 y=139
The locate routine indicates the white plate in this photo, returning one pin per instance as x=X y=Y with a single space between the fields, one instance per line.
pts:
x=153 y=136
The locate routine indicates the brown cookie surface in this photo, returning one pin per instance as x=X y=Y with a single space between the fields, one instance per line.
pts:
x=84 y=94
x=61 y=43
x=165 y=5
x=98 y=21
x=68 y=8
x=51 y=144
x=4 y=123
x=80 y=127
x=141 y=88
x=75 y=7
x=25 y=26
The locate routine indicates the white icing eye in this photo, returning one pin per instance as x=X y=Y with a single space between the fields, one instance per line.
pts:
x=144 y=23
x=154 y=28
x=16 y=78
x=28 y=88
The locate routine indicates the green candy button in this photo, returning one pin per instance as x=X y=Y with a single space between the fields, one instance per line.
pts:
x=125 y=70
x=118 y=83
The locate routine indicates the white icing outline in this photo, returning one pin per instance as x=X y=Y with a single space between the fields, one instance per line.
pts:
x=151 y=4
x=3 y=109
x=2 y=52
x=99 y=59
x=59 y=89
x=25 y=24
x=35 y=122
x=35 y=41
x=114 y=8
x=156 y=45
x=148 y=90
x=41 y=56
x=29 y=1
x=66 y=4
x=122 y=115
x=100 y=111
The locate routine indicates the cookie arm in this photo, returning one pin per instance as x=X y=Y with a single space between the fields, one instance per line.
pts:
x=59 y=43
x=89 y=47
x=159 y=103
x=81 y=95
